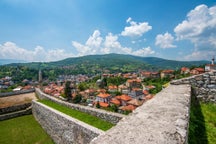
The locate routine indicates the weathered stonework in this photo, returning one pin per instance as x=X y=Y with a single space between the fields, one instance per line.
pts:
x=204 y=85
x=161 y=120
x=105 y=115
x=16 y=92
x=62 y=128
x=14 y=108
x=16 y=111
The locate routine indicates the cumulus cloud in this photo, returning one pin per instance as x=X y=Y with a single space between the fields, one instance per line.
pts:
x=197 y=55
x=135 y=29
x=199 y=27
x=10 y=50
x=91 y=46
x=109 y=44
x=143 y=52
x=165 y=41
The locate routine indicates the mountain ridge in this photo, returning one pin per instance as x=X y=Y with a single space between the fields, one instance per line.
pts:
x=113 y=62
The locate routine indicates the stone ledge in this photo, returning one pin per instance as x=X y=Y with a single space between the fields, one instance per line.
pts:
x=162 y=120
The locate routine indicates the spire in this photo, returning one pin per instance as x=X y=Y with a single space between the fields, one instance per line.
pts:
x=40 y=76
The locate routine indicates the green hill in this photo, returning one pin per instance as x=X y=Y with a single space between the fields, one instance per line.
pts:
x=92 y=64
x=111 y=62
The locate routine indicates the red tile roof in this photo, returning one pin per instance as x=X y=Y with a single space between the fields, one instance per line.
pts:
x=167 y=71
x=145 y=92
x=115 y=101
x=128 y=107
x=134 y=80
x=103 y=95
x=200 y=69
x=124 y=97
x=103 y=104
x=112 y=87
x=135 y=102
x=149 y=97
x=184 y=69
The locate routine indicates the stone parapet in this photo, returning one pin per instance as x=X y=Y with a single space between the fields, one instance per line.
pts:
x=204 y=85
x=105 y=115
x=62 y=128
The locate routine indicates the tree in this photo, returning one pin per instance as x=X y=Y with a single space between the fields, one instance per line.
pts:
x=77 y=99
x=114 y=108
x=98 y=105
x=67 y=90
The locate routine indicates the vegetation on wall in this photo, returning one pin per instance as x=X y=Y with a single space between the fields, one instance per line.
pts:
x=87 y=118
x=202 y=126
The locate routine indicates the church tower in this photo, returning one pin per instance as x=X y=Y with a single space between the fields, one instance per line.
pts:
x=213 y=60
x=40 y=76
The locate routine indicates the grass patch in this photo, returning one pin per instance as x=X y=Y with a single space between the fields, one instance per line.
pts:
x=202 y=127
x=87 y=118
x=23 y=130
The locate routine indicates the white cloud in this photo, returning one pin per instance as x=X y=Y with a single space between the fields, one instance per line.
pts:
x=135 y=29
x=200 y=55
x=143 y=52
x=108 y=45
x=165 y=41
x=10 y=50
x=200 y=28
x=91 y=46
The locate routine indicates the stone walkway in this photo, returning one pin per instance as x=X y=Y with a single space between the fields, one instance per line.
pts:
x=161 y=120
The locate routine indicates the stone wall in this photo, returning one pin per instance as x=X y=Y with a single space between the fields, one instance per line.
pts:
x=16 y=92
x=14 y=108
x=62 y=128
x=15 y=111
x=204 y=85
x=105 y=115
x=161 y=120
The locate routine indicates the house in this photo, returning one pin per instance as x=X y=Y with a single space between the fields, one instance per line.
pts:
x=135 y=102
x=123 y=89
x=185 y=70
x=148 y=97
x=197 y=71
x=150 y=74
x=145 y=92
x=155 y=75
x=136 y=93
x=133 y=83
x=112 y=88
x=210 y=67
x=103 y=104
x=103 y=97
x=115 y=101
x=19 y=88
x=146 y=74
x=127 y=108
x=123 y=99
x=166 y=73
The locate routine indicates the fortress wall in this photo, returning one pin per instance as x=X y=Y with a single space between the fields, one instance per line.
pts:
x=62 y=128
x=204 y=85
x=105 y=115
x=161 y=120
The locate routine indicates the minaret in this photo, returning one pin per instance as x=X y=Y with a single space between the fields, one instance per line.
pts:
x=213 y=60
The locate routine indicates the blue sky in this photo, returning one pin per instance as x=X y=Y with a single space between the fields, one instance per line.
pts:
x=50 y=30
